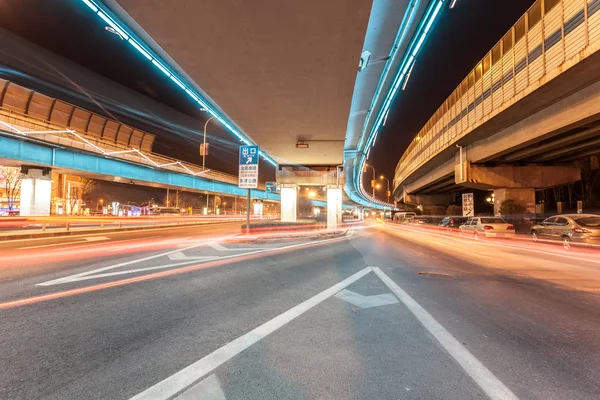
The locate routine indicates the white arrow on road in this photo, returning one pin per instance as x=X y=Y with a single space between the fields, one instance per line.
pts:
x=180 y=256
x=367 y=301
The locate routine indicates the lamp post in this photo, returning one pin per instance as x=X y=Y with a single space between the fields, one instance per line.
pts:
x=388 y=187
x=100 y=202
x=204 y=145
x=373 y=181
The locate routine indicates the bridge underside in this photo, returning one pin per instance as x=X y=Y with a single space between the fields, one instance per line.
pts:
x=558 y=124
x=283 y=71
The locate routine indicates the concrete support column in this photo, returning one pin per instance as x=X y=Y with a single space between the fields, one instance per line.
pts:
x=334 y=206
x=258 y=208
x=36 y=191
x=289 y=194
x=526 y=195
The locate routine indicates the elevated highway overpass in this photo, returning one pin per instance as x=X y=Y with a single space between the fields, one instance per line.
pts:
x=298 y=97
x=522 y=117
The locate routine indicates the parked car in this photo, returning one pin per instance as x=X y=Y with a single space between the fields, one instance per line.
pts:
x=569 y=228
x=403 y=217
x=452 y=223
x=487 y=227
x=417 y=220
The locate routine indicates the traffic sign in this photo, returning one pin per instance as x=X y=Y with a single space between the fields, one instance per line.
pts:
x=248 y=155
x=272 y=187
x=468 y=205
x=204 y=149
x=248 y=172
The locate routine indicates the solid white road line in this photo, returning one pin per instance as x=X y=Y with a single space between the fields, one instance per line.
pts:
x=180 y=256
x=484 y=378
x=208 y=389
x=192 y=373
x=219 y=247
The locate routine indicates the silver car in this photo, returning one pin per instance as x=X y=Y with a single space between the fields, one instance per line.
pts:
x=569 y=228
x=486 y=227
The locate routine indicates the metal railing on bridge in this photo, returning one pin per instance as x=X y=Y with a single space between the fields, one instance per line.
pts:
x=552 y=36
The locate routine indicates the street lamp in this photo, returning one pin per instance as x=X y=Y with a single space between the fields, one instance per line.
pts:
x=388 y=187
x=204 y=142
x=373 y=181
x=101 y=201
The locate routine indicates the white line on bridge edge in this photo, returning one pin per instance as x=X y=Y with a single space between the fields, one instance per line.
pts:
x=192 y=373
x=482 y=376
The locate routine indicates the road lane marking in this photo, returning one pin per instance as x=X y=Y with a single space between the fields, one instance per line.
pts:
x=94 y=273
x=367 y=301
x=196 y=371
x=185 y=268
x=208 y=389
x=75 y=277
x=180 y=256
x=219 y=247
x=482 y=376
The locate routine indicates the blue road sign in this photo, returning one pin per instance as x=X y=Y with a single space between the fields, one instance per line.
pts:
x=248 y=155
x=248 y=174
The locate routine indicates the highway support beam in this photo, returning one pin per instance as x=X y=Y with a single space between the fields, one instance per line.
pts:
x=36 y=191
x=515 y=182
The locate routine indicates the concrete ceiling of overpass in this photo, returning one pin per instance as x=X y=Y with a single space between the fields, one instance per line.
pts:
x=282 y=70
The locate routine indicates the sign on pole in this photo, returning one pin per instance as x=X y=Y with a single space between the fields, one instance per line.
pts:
x=272 y=187
x=468 y=205
x=204 y=149
x=248 y=176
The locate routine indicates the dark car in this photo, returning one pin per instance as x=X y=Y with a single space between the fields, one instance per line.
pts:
x=452 y=223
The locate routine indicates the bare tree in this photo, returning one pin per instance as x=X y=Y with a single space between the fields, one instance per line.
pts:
x=79 y=192
x=12 y=184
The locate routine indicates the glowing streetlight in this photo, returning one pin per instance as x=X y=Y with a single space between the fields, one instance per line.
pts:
x=312 y=194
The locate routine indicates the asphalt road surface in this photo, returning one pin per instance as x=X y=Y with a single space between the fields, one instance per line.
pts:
x=387 y=312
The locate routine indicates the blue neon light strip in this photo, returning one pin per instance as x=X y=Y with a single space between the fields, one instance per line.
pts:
x=431 y=15
x=91 y=5
x=103 y=12
x=140 y=49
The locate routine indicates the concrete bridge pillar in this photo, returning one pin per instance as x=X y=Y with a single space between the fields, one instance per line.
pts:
x=525 y=195
x=289 y=194
x=36 y=191
x=334 y=206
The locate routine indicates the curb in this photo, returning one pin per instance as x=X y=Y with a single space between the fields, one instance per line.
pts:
x=264 y=240
x=103 y=230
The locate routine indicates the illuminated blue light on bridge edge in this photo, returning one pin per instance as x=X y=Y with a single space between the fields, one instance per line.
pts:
x=100 y=10
x=410 y=57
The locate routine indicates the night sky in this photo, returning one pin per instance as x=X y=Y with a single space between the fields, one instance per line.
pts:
x=461 y=38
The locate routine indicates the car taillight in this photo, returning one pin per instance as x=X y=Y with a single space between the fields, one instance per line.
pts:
x=488 y=228
x=581 y=230
x=510 y=228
